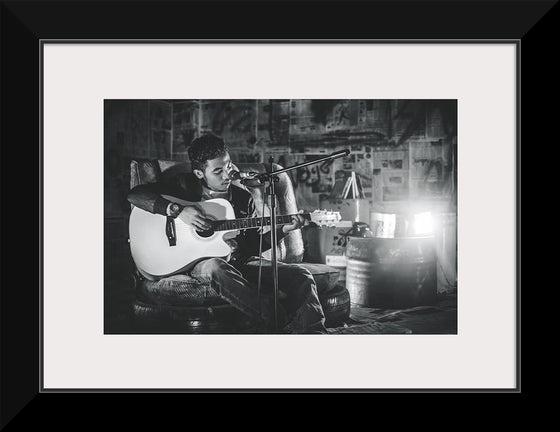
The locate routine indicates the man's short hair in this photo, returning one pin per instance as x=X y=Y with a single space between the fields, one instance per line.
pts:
x=204 y=148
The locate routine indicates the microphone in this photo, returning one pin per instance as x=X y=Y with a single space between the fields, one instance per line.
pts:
x=240 y=175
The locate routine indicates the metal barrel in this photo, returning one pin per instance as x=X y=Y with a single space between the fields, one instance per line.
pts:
x=391 y=272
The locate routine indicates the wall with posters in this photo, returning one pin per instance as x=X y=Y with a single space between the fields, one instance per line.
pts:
x=402 y=150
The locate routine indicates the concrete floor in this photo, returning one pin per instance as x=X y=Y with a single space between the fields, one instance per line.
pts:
x=440 y=318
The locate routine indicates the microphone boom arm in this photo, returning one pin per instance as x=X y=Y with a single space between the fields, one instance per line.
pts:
x=264 y=176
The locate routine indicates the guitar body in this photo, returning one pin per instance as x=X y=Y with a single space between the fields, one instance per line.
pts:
x=151 y=249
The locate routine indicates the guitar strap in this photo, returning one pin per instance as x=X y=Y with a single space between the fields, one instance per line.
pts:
x=170 y=231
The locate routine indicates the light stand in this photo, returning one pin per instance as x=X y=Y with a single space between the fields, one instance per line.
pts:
x=272 y=177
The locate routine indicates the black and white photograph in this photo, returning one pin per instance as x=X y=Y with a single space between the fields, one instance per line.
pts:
x=364 y=220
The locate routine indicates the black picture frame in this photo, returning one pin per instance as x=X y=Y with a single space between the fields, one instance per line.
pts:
x=27 y=26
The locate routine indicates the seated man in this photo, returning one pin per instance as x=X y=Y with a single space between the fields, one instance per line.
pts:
x=235 y=280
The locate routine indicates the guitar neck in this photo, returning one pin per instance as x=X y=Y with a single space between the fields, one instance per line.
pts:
x=257 y=222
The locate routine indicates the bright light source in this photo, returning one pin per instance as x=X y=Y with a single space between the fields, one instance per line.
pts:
x=423 y=223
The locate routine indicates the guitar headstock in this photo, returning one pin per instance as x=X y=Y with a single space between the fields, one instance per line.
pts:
x=325 y=218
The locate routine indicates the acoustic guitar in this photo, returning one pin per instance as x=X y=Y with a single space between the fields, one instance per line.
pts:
x=162 y=246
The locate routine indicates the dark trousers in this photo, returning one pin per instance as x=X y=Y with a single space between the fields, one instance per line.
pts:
x=299 y=308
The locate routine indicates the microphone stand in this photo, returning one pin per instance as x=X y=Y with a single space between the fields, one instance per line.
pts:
x=272 y=177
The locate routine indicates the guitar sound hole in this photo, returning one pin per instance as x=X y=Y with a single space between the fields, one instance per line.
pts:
x=207 y=233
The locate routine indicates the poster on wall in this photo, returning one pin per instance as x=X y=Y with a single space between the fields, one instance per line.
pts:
x=233 y=119
x=395 y=185
x=431 y=170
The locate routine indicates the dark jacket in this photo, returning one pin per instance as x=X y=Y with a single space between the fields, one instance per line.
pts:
x=187 y=187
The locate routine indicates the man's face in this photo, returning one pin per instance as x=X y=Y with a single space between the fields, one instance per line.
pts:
x=216 y=173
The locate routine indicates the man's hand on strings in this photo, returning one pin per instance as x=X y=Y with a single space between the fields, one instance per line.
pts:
x=298 y=221
x=196 y=217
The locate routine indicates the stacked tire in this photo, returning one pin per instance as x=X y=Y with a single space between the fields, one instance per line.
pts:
x=336 y=306
x=184 y=305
